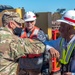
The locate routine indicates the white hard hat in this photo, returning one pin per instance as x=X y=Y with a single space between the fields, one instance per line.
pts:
x=68 y=17
x=29 y=16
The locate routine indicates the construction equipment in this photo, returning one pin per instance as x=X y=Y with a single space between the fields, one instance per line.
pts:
x=43 y=21
x=55 y=65
x=55 y=62
x=55 y=34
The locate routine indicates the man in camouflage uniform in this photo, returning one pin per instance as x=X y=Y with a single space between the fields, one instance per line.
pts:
x=13 y=47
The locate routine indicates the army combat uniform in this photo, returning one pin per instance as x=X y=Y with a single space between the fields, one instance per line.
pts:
x=12 y=48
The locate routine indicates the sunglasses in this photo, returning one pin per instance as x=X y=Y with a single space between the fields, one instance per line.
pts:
x=29 y=21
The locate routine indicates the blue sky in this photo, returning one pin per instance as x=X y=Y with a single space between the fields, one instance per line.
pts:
x=40 y=5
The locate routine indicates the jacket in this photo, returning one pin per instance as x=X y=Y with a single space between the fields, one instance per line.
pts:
x=11 y=49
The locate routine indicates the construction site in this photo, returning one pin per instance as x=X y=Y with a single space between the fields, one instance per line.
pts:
x=37 y=37
x=45 y=21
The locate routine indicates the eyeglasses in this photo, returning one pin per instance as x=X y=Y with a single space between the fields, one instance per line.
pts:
x=29 y=21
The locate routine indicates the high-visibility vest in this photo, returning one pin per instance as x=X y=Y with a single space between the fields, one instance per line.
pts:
x=66 y=54
x=32 y=35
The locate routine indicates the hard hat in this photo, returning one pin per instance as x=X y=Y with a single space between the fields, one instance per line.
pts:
x=29 y=16
x=68 y=17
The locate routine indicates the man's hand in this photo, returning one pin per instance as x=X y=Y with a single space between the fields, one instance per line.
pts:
x=54 y=53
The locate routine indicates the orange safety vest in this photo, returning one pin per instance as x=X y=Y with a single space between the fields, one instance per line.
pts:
x=33 y=35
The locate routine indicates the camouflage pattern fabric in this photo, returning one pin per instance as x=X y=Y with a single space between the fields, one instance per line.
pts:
x=12 y=47
x=8 y=16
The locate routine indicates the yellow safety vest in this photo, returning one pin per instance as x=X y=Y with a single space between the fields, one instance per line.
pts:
x=66 y=54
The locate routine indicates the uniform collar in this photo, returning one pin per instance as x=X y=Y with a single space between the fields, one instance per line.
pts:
x=71 y=40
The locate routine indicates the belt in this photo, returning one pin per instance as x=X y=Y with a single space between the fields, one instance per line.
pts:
x=32 y=56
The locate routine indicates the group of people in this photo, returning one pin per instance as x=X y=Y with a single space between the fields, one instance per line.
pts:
x=23 y=51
